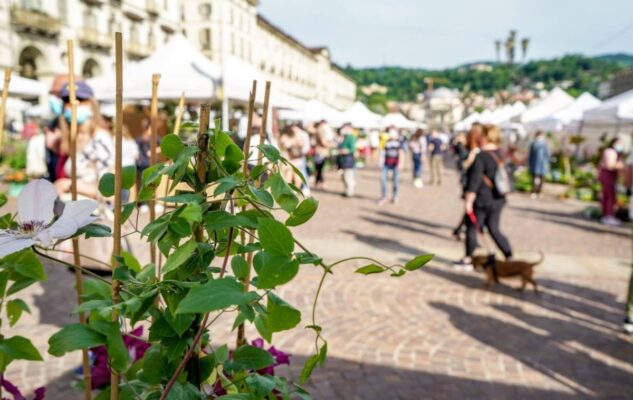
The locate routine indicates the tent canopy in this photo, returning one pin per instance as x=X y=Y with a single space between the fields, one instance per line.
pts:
x=556 y=100
x=313 y=111
x=613 y=110
x=398 y=120
x=25 y=87
x=182 y=68
x=360 y=116
x=567 y=116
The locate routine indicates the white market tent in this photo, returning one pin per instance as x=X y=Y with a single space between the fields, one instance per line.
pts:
x=313 y=111
x=555 y=101
x=360 y=116
x=612 y=111
x=398 y=120
x=465 y=124
x=569 y=117
x=25 y=88
x=182 y=68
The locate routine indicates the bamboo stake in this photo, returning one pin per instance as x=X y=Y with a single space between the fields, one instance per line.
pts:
x=116 y=246
x=179 y=112
x=249 y=127
x=153 y=159
x=3 y=105
x=201 y=157
x=241 y=337
x=79 y=283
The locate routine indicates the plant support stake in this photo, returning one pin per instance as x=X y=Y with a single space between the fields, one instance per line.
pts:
x=3 y=104
x=153 y=158
x=116 y=236
x=79 y=283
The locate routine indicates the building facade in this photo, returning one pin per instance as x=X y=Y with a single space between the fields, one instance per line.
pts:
x=223 y=28
x=33 y=34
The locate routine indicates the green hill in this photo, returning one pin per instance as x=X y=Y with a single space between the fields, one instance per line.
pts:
x=577 y=73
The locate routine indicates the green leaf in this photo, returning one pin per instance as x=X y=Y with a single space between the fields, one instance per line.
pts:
x=27 y=264
x=280 y=316
x=118 y=354
x=4 y=279
x=178 y=257
x=21 y=282
x=308 y=367
x=183 y=198
x=106 y=185
x=303 y=212
x=239 y=267
x=307 y=258
x=191 y=212
x=274 y=269
x=128 y=176
x=220 y=142
x=170 y=146
x=126 y=211
x=252 y=358
x=19 y=348
x=92 y=305
x=233 y=156
x=3 y=199
x=95 y=289
x=275 y=237
x=262 y=196
x=418 y=262
x=131 y=261
x=260 y=385
x=74 y=337
x=270 y=152
x=95 y=230
x=214 y=295
x=14 y=310
x=226 y=184
x=283 y=194
x=370 y=269
x=179 y=322
x=152 y=365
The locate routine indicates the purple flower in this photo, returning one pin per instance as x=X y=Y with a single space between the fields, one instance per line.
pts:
x=279 y=356
x=17 y=395
x=101 y=372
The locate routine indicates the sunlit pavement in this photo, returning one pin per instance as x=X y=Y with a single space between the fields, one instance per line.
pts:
x=436 y=333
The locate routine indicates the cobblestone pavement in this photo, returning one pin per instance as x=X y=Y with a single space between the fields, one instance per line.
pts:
x=436 y=333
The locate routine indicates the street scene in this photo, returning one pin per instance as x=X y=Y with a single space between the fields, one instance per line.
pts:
x=244 y=200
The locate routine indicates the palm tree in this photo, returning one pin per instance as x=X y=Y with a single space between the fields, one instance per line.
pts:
x=510 y=46
x=525 y=44
x=498 y=50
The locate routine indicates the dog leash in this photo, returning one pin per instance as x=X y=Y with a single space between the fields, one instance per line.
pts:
x=491 y=255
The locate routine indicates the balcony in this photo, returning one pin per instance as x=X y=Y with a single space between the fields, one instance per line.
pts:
x=34 y=21
x=152 y=7
x=137 y=50
x=91 y=39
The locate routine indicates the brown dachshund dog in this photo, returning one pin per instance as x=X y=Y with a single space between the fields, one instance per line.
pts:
x=495 y=269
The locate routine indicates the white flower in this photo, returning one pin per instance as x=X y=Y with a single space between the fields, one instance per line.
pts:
x=35 y=214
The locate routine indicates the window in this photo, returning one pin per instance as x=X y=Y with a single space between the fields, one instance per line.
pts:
x=151 y=40
x=90 y=21
x=133 y=32
x=205 y=10
x=232 y=43
x=205 y=38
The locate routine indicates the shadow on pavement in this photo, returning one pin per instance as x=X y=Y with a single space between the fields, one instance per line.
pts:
x=574 y=220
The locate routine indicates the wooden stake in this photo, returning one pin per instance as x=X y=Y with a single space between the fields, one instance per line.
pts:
x=249 y=127
x=79 y=282
x=153 y=159
x=3 y=105
x=201 y=157
x=241 y=337
x=179 y=112
x=118 y=141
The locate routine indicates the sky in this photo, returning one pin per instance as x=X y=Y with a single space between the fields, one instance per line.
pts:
x=446 y=33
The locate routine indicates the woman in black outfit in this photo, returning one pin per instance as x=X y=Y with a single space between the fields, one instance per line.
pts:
x=482 y=198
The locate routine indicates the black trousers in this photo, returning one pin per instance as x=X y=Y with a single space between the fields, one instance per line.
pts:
x=537 y=184
x=318 y=166
x=488 y=217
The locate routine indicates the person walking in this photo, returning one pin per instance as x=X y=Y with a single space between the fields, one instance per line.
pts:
x=436 y=149
x=484 y=199
x=466 y=157
x=417 y=145
x=393 y=156
x=609 y=167
x=628 y=311
x=323 y=144
x=346 y=158
x=538 y=163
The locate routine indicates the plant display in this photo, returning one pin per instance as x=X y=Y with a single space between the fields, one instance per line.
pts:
x=227 y=245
